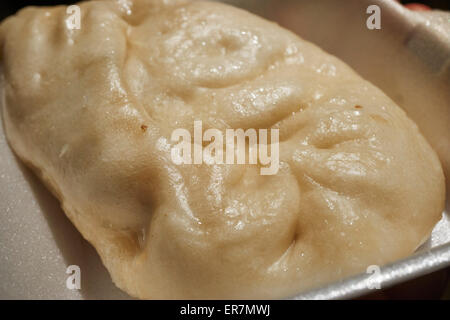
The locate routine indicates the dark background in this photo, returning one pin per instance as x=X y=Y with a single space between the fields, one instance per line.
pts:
x=9 y=7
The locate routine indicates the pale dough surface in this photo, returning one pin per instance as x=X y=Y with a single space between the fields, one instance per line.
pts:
x=92 y=111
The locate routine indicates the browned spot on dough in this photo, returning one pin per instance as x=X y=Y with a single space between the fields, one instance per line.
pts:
x=378 y=118
x=358 y=107
x=144 y=128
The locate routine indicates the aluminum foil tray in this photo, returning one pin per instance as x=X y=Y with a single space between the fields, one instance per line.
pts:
x=408 y=58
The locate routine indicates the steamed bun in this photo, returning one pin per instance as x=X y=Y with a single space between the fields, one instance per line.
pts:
x=92 y=110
